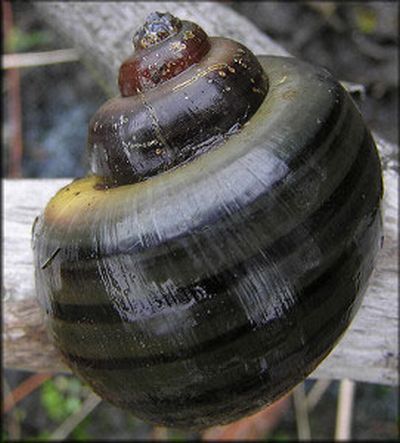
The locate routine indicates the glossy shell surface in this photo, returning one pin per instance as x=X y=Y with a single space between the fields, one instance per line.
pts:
x=133 y=138
x=207 y=291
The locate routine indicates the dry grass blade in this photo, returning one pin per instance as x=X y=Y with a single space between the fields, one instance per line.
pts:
x=73 y=420
x=301 y=412
x=10 y=61
x=316 y=392
x=344 y=410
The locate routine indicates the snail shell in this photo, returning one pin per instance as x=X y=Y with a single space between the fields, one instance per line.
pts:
x=223 y=242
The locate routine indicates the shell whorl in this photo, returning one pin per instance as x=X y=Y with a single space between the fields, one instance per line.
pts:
x=183 y=94
x=156 y=60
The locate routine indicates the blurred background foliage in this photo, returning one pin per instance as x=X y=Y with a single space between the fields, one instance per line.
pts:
x=357 y=41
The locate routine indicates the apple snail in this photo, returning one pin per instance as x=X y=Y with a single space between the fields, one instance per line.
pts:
x=224 y=238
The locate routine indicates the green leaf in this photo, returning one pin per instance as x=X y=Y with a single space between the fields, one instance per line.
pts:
x=366 y=20
x=20 y=41
x=72 y=405
x=52 y=401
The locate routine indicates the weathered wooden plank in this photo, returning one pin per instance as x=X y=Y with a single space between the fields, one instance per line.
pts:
x=368 y=351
